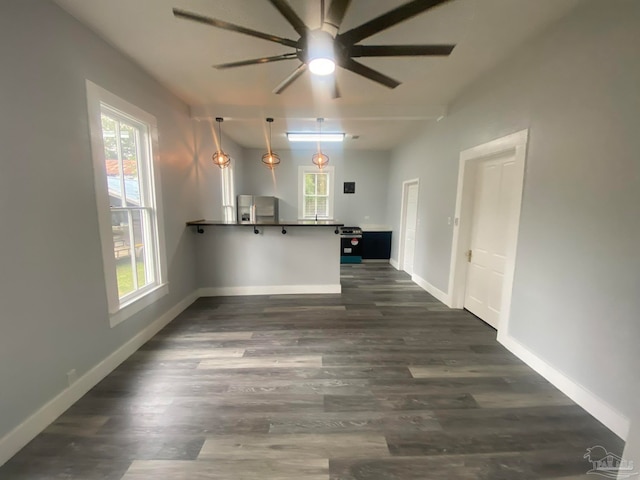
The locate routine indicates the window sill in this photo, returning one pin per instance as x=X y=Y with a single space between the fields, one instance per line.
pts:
x=132 y=307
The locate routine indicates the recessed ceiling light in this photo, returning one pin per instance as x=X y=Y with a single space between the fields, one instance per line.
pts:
x=315 y=137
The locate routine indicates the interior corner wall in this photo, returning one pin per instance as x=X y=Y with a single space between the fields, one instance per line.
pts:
x=575 y=298
x=53 y=301
x=369 y=169
x=632 y=447
x=209 y=181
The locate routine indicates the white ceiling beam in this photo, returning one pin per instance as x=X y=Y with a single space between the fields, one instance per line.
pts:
x=359 y=112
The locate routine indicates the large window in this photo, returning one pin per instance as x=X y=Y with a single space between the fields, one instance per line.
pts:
x=123 y=145
x=315 y=200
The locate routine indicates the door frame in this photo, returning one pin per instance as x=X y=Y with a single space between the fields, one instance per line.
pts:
x=515 y=143
x=403 y=219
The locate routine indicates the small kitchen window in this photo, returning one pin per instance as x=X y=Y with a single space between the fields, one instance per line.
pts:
x=228 y=195
x=315 y=198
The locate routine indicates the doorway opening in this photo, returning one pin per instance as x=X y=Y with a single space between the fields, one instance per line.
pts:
x=408 y=225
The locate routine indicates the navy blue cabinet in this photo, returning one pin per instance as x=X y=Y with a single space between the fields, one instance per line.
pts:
x=376 y=245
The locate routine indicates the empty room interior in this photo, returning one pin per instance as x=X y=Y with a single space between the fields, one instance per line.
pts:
x=319 y=239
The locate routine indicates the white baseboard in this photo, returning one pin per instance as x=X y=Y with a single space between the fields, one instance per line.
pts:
x=268 y=290
x=601 y=410
x=16 y=439
x=434 y=291
x=394 y=263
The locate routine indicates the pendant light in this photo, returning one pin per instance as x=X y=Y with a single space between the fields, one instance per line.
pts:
x=320 y=159
x=270 y=159
x=220 y=158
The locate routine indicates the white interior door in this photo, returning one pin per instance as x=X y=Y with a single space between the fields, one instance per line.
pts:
x=410 y=222
x=494 y=215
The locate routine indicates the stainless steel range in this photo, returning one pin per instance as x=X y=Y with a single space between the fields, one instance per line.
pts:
x=350 y=245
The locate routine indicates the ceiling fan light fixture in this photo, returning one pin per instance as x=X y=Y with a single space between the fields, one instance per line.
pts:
x=270 y=159
x=322 y=66
x=321 y=57
x=323 y=49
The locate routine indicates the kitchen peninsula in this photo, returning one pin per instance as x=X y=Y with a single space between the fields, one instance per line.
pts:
x=267 y=258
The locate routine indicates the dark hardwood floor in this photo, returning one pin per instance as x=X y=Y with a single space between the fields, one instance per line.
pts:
x=380 y=382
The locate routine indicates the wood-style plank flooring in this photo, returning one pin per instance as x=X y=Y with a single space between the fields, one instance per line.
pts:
x=380 y=382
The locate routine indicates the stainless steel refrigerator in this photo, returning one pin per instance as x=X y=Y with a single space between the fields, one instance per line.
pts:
x=257 y=209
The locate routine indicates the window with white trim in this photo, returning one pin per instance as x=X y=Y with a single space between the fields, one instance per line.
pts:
x=228 y=195
x=315 y=198
x=124 y=138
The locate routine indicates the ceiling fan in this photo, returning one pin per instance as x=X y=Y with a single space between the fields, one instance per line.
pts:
x=320 y=50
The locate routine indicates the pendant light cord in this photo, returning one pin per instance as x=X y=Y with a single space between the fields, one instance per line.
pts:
x=320 y=120
x=220 y=158
x=270 y=159
x=320 y=159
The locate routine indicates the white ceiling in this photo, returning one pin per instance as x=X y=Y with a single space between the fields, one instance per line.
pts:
x=180 y=53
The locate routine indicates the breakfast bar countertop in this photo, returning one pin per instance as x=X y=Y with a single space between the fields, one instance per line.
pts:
x=282 y=223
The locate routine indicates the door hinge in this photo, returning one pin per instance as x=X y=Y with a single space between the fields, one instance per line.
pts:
x=469 y=254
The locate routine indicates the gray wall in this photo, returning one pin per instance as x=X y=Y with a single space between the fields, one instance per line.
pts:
x=575 y=299
x=369 y=169
x=52 y=293
x=236 y=257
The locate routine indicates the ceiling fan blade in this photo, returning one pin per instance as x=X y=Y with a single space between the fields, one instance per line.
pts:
x=292 y=17
x=290 y=79
x=256 y=61
x=371 y=74
x=232 y=27
x=389 y=19
x=336 y=13
x=400 y=50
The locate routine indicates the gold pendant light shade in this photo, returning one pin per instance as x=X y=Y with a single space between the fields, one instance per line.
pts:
x=320 y=159
x=220 y=158
x=270 y=159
